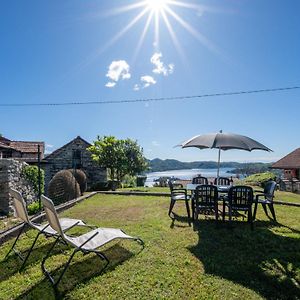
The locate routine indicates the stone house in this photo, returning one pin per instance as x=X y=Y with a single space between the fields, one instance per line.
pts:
x=74 y=155
x=290 y=164
x=25 y=151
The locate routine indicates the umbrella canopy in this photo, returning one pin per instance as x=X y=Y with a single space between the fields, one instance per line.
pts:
x=224 y=141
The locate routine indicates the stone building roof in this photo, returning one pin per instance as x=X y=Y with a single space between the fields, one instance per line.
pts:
x=290 y=161
x=57 y=151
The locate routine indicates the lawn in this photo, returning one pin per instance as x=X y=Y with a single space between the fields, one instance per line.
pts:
x=178 y=261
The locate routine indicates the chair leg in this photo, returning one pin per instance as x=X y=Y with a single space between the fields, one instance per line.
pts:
x=193 y=208
x=272 y=210
x=29 y=251
x=217 y=214
x=223 y=213
x=265 y=209
x=65 y=268
x=45 y=271
x=188 y=211
x=172 y=203
x=250 y=218
x=103 y=257
x=196 y=216
x=255 y=210
x=230 y=214
x=15 y=242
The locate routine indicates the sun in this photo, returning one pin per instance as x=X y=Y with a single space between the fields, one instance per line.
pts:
x=161 y=13
x=157 y=5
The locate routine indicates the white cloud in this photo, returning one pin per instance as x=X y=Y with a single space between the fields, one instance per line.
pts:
x=160 y=67
x=49 y=146
x=155 y=144
x=117 y=70
x=110 y=84
x=146 y=81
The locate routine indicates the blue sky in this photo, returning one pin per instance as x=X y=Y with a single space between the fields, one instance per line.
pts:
x=64 y=51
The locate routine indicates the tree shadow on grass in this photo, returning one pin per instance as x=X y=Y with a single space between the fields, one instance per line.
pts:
x=260 y=260
x=79 y=272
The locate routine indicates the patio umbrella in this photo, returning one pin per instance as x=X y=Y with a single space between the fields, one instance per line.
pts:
x=223 y=141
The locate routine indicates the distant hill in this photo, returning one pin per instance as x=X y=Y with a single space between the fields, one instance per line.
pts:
x=159 y=165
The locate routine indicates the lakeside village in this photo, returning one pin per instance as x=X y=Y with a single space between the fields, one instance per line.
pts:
x=178 y=218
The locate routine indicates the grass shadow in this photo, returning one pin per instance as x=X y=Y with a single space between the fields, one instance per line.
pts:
x=79 y=272
x=180 y=219
x=260 y=260
x=12 y=264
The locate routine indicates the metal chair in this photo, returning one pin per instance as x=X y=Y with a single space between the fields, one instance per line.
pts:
x=267 y=199
x=222 y=181
x=21 y=212
x=205 y=200
x=200 y=180
x=179 y=194
x=240 y=198
x=85 y=243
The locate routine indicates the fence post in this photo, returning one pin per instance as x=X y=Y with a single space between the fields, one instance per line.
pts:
x=39 y=177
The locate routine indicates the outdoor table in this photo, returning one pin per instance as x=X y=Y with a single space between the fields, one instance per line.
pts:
x=222 y=189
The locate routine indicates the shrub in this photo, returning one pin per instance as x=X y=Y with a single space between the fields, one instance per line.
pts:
x=63 y=187
x=259 y=179
x=31 y=173
x=105 y=185
x=129 y=181
x=100 y=186
x=80 y=178
x=33 y=208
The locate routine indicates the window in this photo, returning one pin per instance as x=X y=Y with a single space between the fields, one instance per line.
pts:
x=76 y=159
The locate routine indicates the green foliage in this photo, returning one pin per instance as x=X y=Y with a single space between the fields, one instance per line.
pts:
x=121 y=157
x=33 y=208
x=259 y=178
x=63 y=187
x=105 y=186
x=31 y=173
x=129 y=181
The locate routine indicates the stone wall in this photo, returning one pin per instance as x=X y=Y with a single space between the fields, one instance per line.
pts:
x=10 y=176
x=62 y=159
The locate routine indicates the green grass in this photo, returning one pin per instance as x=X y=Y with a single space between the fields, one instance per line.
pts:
x=178 y=261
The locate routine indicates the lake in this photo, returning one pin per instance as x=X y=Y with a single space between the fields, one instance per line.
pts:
x=187 y=174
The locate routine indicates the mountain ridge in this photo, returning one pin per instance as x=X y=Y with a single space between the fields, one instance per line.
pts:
x=159 y=165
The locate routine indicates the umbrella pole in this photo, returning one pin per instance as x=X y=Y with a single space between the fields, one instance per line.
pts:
x=218 y=172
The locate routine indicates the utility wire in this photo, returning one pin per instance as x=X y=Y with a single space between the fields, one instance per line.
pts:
x=156 y=99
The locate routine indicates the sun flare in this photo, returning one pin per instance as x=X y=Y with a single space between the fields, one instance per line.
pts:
x=157 y=5
x=158 y=14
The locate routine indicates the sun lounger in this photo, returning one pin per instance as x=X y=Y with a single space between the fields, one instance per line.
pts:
x=86 y=243
x=46 y=229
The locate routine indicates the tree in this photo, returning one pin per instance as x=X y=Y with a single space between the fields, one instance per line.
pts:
x=121 y=157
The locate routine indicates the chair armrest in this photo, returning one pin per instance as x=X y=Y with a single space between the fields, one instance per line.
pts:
x=175 y=192
x=257 y=196
x=180 y=190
